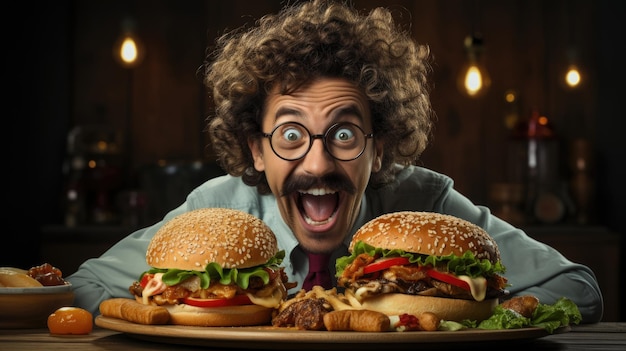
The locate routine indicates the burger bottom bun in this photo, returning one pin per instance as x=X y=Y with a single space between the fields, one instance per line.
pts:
x=445 y=308
x=229 y=316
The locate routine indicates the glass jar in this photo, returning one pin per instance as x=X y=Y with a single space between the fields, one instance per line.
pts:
x=533 y=161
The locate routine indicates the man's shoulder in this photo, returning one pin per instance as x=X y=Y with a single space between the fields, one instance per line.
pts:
x=419 y=176
x=223 y=190
x=414 y=187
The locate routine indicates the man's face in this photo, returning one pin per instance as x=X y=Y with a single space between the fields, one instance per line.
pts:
x=318 y=196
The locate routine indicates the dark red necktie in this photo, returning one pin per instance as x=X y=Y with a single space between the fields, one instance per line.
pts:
x=318 y=272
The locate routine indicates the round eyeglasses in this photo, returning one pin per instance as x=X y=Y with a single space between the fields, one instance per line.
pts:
x=343 y=141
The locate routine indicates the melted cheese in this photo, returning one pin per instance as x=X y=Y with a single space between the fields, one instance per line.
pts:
x=155 y=286
x=478 y=286
x=270 y=296
x=270 y=301
x=367 y=290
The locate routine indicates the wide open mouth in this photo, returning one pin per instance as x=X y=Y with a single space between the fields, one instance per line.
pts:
x=318 y=206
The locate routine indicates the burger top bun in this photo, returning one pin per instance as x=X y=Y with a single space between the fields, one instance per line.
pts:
x=427 y=233
x=231 y=238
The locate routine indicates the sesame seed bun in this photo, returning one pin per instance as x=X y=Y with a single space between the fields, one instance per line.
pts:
x=427 y=233
x=230 y=238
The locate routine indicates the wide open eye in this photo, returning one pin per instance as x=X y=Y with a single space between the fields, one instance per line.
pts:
x=292 y=134
x=290 y=140
x=343 y=134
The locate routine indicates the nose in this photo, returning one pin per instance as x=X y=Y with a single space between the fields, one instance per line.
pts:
x=317 y=161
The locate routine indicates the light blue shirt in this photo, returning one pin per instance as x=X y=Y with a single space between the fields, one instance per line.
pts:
x=531 y=266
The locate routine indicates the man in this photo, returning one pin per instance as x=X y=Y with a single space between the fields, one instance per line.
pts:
x=321 y=114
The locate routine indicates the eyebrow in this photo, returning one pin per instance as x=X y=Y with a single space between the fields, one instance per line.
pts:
x=348 y=110
x=286 y=111
x=343 y=111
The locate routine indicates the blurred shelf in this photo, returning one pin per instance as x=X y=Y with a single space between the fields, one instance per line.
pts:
x=66 y=248
x=86 y=232
x=571 y=229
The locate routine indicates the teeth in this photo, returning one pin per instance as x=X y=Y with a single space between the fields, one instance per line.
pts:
x=318 y=191
x=312 y=222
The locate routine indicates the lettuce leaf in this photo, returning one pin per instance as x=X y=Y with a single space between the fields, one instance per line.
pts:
x=549 y=317
x=225 y=276
x=467 y=264
x=562 y=312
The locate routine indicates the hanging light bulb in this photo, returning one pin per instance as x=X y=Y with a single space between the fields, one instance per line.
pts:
x=474 y=79
x=572 y=72
x=573 y=77
x=128 y=49
x=511 y=108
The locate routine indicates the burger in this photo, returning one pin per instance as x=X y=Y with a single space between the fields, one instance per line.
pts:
x=214 y=267
x=414 y=262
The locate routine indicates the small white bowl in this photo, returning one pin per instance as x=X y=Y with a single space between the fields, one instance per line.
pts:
x=30 y=307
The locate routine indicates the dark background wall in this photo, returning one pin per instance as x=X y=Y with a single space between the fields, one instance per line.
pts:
x=61 y=74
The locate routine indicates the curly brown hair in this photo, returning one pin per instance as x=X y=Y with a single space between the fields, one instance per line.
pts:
x=312 y=39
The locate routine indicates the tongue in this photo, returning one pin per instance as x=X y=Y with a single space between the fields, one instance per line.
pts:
x=319 y=208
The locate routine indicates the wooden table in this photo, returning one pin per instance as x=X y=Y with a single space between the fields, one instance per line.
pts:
x=601 y=336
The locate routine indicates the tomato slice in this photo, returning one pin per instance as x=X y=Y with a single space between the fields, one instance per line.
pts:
x=448 y=278
x=144 y=280
x=385 y=263
x=235 y=301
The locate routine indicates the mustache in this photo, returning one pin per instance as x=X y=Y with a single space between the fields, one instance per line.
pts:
x=332 y=181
